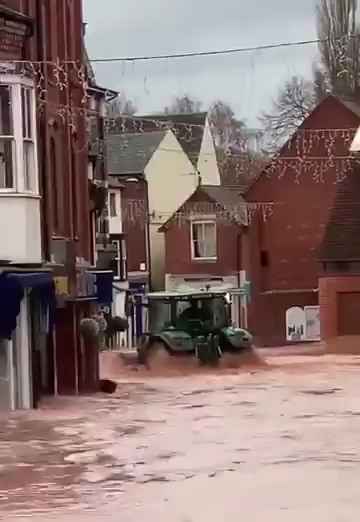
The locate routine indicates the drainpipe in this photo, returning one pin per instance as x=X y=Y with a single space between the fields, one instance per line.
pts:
x=147 y=233
x=42 y=149
x=238 y=268
x=68 y=131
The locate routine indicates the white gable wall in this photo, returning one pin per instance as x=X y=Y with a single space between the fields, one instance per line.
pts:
x=172 y=179
x=207 y=163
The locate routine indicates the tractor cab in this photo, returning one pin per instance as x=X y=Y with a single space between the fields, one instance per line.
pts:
x=198 y=323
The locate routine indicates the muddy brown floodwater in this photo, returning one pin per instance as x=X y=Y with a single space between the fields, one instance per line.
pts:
x=277 y=444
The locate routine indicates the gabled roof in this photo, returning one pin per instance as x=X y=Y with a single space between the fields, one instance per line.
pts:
x=349 y=104
x=341 y=241
x=188 y=128
x=228 y=198
x=130 y=153
x=230 y=201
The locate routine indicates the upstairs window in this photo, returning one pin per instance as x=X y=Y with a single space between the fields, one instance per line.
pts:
x=112 y=204
x=7 y=178
x=28 y=138
x=203 y=240
x=18 y=160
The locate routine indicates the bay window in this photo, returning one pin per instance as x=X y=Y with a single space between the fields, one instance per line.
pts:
x=18 y=161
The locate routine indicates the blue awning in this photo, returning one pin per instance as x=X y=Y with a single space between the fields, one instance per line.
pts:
x=12 y=291
x=31 y=279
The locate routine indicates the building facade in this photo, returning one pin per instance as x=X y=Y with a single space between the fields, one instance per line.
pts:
x=203 y=245
x=166 y=160
x=339 y=284
x=44 y=193
x=157 y=176
x=282 y=247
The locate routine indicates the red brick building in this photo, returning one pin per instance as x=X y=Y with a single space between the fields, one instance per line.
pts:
x=203 y=242
x=281 y=256
x=339 y=284
x=52 y=184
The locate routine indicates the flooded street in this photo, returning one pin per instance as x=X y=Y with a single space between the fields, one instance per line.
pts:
x=276 y=444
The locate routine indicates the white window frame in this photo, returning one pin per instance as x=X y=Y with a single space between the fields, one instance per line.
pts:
x=117 y=196
x=16 y=84
x=113 y=198
x=202 y=222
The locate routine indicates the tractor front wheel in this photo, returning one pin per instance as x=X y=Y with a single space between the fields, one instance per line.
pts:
x=157 y=355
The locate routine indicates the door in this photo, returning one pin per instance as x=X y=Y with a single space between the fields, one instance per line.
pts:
x=348 y=313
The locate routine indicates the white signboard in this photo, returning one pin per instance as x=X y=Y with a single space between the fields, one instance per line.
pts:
x=295 y=324
x=312 y=318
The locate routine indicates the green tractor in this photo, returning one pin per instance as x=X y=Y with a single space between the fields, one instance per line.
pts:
x=192 y=324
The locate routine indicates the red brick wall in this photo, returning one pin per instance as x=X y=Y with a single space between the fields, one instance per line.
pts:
x=17 y=5
x=293 y=234
x=58 y=34
x=267 y=315
x=178 y=247
x=134 y=203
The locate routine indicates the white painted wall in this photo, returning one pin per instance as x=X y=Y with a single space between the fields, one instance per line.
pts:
x=207 y=163
x=172 y=179
x=182 y=282
x=20 y=230
x=115 y=223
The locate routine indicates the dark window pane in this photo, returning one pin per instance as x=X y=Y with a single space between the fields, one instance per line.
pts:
x=26 y=112
x=113 y=205
x=55 y=187
x=6 y=127
x=195 y=232
x=6 y=164
x=28 y=164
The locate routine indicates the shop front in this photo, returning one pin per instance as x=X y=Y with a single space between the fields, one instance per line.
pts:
x=77 y=359
x=27 y=305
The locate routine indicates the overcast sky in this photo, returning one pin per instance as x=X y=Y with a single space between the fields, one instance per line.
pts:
x=248 y=81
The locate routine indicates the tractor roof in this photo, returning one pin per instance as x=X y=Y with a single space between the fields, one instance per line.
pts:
x=187 y=295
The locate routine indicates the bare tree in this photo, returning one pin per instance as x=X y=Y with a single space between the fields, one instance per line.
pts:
x=338 y=28
x=228 y=131
x=238 y=163
x=321 y=84
x=240 y=170
x=122 y=105
x=183 y=105
x=294 y=103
